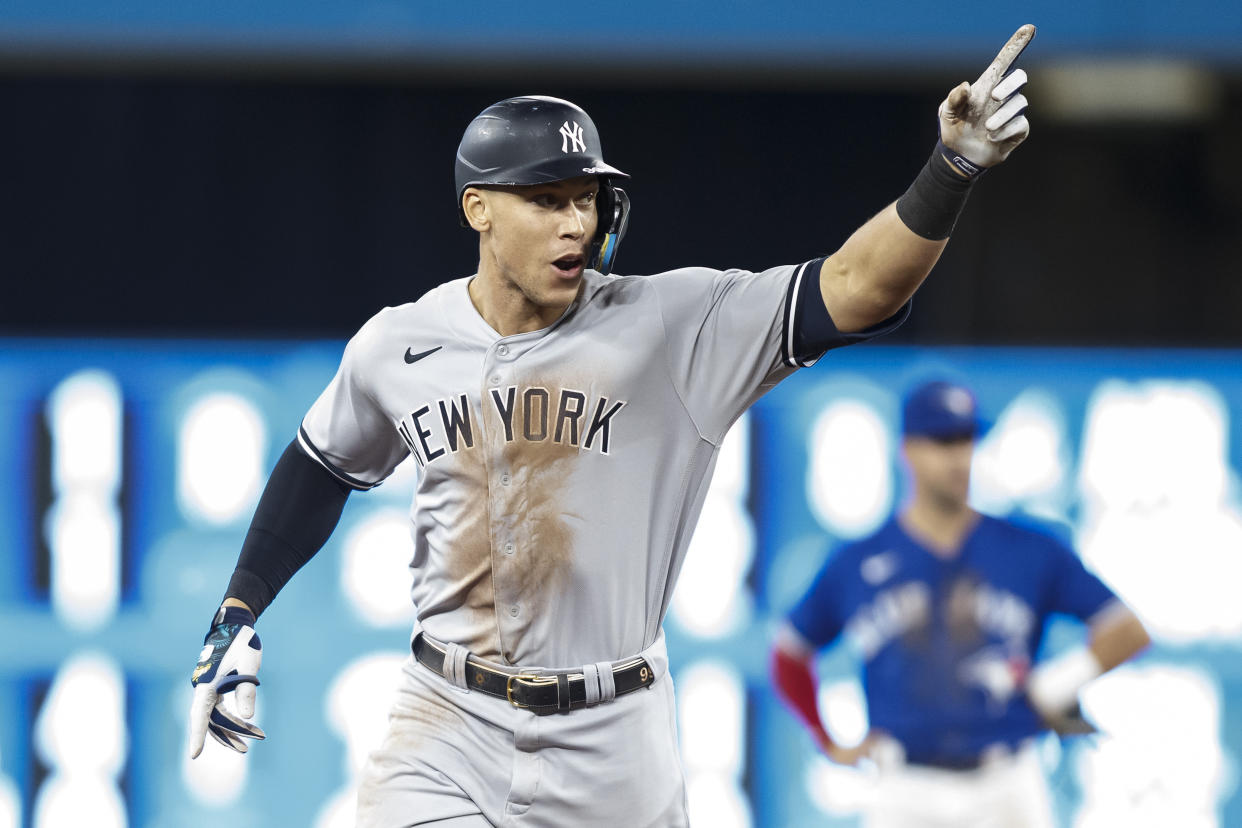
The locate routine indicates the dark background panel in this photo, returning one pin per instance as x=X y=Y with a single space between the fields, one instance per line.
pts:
x=137 y=202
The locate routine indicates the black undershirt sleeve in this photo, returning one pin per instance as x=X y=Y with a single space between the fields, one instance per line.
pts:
x=300 y=507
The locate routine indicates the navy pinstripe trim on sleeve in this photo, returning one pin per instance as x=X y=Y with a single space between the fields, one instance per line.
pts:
x=805 y=316
x=787 y=326
x=307 y=446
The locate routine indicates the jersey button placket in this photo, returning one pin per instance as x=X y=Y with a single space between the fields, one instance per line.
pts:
x=496 y=370
x=502 y=352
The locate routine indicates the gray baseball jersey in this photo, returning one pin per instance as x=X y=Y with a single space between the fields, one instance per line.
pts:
x=561 y=471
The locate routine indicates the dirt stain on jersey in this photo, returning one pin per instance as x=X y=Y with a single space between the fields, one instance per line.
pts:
x=545 y=532
x=532 y=513
x=469 y=563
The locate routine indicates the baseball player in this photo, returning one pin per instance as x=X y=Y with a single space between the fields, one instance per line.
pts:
x=947 y=608
x=565 y=423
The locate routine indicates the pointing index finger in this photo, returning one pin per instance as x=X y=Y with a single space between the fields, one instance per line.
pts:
x=1008 y=54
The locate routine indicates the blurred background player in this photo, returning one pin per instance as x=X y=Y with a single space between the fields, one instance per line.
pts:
x=947 y=608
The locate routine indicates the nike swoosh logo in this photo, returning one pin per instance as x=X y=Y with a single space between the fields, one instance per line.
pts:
x=411 y=357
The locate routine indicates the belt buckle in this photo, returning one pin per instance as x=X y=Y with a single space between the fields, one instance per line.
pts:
x=533 y=678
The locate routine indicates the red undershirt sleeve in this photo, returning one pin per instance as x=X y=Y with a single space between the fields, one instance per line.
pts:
x=796 y=684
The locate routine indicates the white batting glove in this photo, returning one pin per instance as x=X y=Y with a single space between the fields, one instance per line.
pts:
x=982 y=122
x=229 y=663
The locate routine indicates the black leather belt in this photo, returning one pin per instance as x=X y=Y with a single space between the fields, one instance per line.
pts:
x=541 y=694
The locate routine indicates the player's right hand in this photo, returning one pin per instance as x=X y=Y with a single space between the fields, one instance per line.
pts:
x=228 y=664
x=984 y=121
x=852 y=755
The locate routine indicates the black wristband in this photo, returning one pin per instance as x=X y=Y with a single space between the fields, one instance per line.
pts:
x=934 y=201
x=231 y=615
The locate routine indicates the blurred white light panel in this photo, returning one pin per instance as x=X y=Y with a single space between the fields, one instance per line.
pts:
x=217 y=777
x=838 y=790
x=80 y=735
x=843 y=707
x=711 y=708
x=83 y=526
x=849 y=477
x=84 y=419
x=375 y=564
x=1179 y=568
x=221 y=452
x=341 y=809
x=711 y=717
x=1153 y=443
x=710 y=599
x=66 y=800
x=356 y=707
x=81 y=726
x=732 y=474
x=1169 y=769
x=84 y=541
x=10 y=803
x=1159 y=521
x=1023 y=460
x=716 y=801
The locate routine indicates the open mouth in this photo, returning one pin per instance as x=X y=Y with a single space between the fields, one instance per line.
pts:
x=569 y=265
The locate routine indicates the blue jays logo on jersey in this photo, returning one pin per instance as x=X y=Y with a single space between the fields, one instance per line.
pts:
x=998 y=671
x=893 y=612
x=971 y=613
x=564 y=416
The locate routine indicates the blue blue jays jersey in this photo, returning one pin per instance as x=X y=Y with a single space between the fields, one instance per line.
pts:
x=947 y=643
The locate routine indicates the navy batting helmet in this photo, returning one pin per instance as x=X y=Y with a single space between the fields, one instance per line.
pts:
x=535 y=139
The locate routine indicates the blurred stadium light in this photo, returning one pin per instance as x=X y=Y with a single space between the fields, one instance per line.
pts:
x=711 y=714
x=221 y=449
x=710 y=600
x=1144 y=90
x=83 y=522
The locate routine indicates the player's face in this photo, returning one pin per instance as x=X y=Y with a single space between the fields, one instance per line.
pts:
x=538 y=238
x=941 y=468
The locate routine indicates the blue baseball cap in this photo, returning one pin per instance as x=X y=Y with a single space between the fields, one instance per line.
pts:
x=941 y=410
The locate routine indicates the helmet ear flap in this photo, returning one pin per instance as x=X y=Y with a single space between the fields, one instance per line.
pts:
x=613 y=206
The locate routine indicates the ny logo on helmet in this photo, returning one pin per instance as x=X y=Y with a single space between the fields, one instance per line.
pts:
x=573 y=134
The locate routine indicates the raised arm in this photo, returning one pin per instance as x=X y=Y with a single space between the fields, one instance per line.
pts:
x=881 y=265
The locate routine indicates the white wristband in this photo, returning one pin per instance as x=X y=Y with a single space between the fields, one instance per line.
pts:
x=1053 y=685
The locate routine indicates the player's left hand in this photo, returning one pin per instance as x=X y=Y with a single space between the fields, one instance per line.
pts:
x=984 y=121
x=228 y=663
x=1070 y=722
